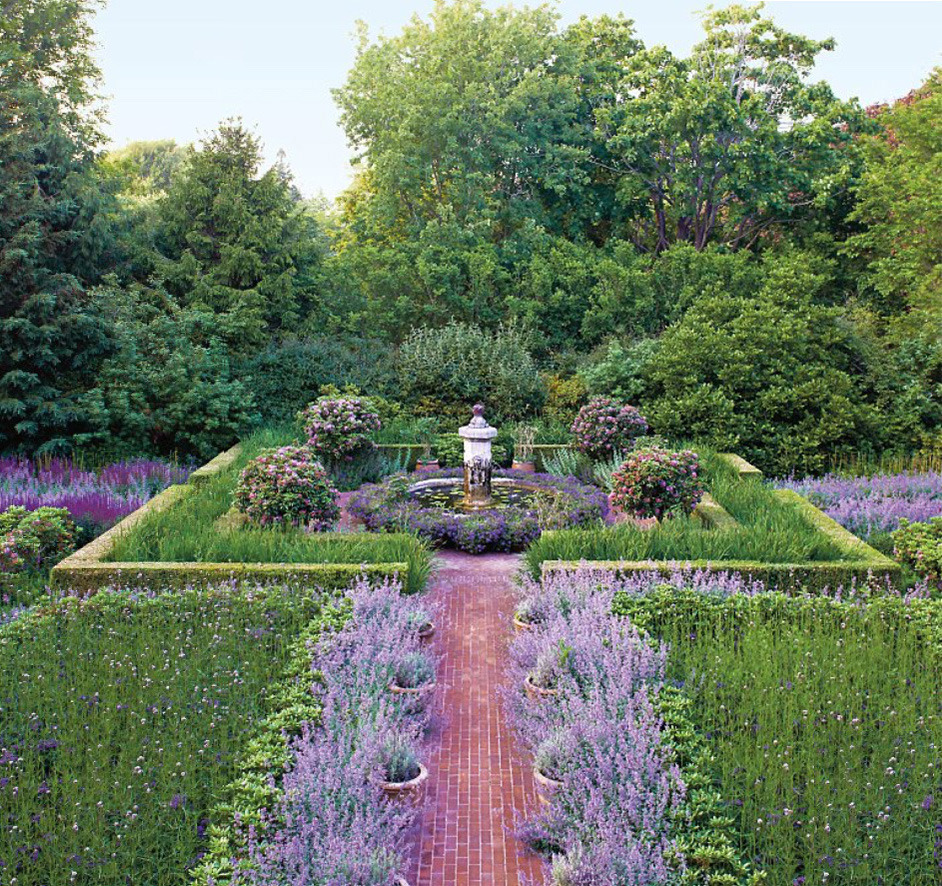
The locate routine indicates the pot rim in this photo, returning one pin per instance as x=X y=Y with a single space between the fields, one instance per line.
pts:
x=401 y=787
x=411 y=690
x=541 y=690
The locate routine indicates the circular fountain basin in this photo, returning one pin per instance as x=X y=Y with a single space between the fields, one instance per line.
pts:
x=448 y=494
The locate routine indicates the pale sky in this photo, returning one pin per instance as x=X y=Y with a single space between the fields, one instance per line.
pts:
x=175 y=68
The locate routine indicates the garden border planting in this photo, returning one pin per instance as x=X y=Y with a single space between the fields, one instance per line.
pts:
x=89 y=570
x=862 y=561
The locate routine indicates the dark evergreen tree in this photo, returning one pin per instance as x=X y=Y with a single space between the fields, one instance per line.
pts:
x=55 y=230
x=234 y=242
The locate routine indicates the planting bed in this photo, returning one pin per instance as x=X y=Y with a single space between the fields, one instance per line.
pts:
x=799 y=739
x=176 y=539
x=778 y=537
x=825 y=720
x=123 y=719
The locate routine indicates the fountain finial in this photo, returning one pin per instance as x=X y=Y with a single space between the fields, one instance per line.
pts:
x=479 y=421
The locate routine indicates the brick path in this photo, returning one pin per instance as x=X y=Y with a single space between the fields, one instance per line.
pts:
x=479 y=778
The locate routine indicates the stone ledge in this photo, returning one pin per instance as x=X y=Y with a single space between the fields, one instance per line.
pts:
x=743 y=468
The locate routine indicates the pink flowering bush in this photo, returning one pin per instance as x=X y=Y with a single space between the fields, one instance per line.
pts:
x=658 y=483
x=34 y=539
x=287 y=487
x=339 y=427
x=604 y=426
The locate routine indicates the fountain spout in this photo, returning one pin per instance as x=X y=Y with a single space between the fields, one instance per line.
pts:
x=477 y=436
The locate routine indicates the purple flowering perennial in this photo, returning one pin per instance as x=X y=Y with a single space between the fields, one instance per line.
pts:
x=334 y=825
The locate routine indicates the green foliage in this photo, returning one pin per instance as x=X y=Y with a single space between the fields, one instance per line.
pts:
x=770 y=376
x=101 y=733
x=444 y=372
x=169 y=388
x=287 y=375
x=232 y=242
x=919 y=546
x=817 y=717
x=700 y=145
x=152 y=165
x=900 y=202
x=55 y=231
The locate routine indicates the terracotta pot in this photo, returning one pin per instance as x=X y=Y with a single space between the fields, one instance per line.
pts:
x=401 y=790
x=426 y=632
x=414 y=691
x=545 y=786
x=520 y=625
x=538 y=693
x=427 y=464
x=527 y=467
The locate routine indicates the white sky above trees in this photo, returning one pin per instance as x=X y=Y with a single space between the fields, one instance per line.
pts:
x=175 y=68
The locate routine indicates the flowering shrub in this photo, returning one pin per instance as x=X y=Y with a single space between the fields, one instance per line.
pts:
x=387 y=507
x=34 y=539
x=339 y=427
x=602 y=426
x=919 y=546
x=287 y=487
x=658 y=483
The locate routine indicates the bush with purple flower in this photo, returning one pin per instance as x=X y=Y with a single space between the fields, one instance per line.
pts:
x=338 y=428
x=604 y=426
x=287 y=487
x=658 y=483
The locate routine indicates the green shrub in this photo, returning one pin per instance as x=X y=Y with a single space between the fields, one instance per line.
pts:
x=444 y=372
x=285 y=376
x=919 y=546
x=769 y=376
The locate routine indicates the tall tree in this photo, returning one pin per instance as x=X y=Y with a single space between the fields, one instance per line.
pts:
x=719 y=147
x=55 y=233
x=232 y=240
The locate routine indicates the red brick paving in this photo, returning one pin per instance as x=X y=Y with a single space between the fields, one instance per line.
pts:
x=479 y=777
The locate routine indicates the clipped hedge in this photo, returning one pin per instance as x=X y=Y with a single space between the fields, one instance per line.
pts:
x=88 y=577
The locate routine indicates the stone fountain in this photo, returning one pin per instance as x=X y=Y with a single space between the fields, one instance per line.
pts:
x=478 y=468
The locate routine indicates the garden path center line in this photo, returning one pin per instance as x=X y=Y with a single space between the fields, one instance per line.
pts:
x=480 y=778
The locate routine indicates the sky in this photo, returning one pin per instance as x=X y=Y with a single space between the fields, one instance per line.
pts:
x=175 y=68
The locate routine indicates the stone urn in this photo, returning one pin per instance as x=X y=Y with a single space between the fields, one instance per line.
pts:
x=478 y=466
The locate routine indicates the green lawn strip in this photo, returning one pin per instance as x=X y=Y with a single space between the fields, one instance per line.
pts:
x=824 y=723
x=125 y=718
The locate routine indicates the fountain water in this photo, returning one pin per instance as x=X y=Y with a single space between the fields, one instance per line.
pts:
x=478 y=466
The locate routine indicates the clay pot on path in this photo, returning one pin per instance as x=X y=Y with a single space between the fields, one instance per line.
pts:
x=426 y=632
x=528 y=467
x=427 y=464
x=538 y=693
x=413 y=691
x=404 y=790
x=546 y=787
x=521 y=625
